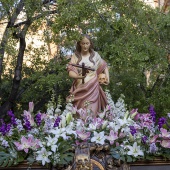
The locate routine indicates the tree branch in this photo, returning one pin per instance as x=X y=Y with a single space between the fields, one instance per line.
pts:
x=35 y=18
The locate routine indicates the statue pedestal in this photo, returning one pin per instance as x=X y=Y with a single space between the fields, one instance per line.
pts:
x=24 y=166
x=98 y=157
x=156 y=164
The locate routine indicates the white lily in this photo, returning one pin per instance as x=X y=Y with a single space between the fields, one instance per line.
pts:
x=135 y=150
x=59 y=132
x=114 y=126
x=80 y=124
x=63 y=121
x=52 y=142
x=69 y=129
x=43 y=156
x=125 y=121
x=125 y=130
x=98 y=137
x=92 y=126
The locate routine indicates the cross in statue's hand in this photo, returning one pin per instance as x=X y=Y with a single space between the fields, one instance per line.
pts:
x=84 y=69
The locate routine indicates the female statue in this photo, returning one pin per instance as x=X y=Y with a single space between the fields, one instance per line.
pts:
x=86 y=91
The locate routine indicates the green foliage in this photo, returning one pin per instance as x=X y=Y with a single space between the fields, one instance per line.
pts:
x=114 y=152
x=53 y=78
x=5 y=160
x=66 y=156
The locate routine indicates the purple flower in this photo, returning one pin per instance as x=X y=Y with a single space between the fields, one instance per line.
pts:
x=38 y=119
x=48 y=124
x=57 y=121
x=27 y=123
x=4 y=128
x=5 y=143
x=161 y=122
x=153 y=148
x=144 y=139
x=11 y=114
x=152 y=112
x=132 y=130
x=19 y=125
x=8 y=127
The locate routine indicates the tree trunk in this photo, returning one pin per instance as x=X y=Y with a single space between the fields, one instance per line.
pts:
x=18 y=74
x=6 y=33
x=2 y=50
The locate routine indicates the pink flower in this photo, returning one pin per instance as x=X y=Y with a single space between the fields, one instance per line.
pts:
x=121 y=135
x=95 y=124
x=83 y=113
x=153 y=140
x=43 y=116
x=83 y=135
x=31 y=106
x=28 y=115
x=146 y=120
x=34 y=142
x=165 y=134
x=112 y=137
x=26 y=144
x=134 y=114
x=117 y=144
x=165 y=143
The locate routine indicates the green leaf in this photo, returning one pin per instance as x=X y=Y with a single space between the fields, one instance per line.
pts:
x=5 y=163
x=122 y=158
x=30 y=159
x=66 y=158
x=149 y=157
x=116 y=156
x=10 y=162
x=5 y=159
x=129 y=159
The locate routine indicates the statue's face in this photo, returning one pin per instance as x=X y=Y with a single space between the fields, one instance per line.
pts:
x=85 y=44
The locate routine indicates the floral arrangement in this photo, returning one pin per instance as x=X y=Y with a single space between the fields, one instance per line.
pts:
x=48 y=137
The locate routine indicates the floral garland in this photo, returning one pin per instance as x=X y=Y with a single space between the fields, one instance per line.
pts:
x=48 y=137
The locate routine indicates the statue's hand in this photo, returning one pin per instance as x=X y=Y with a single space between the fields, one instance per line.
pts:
x=81 y=77
x=105 y=83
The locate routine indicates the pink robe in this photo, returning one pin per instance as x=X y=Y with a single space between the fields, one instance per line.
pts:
x=91 y=90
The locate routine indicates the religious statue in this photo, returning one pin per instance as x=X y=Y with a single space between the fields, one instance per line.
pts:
x=89 y=71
